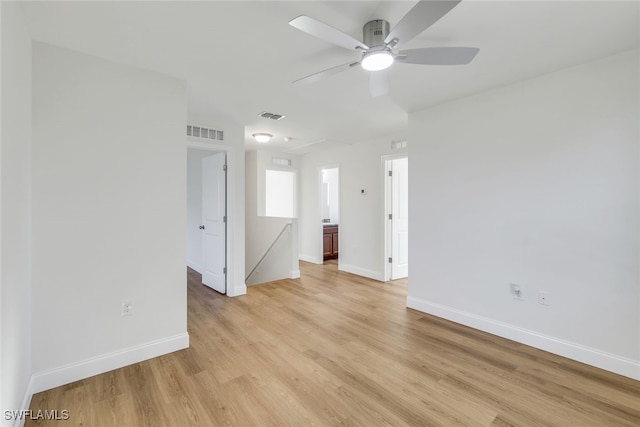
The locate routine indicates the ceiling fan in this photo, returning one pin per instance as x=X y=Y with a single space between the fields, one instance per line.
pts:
x=379 y=45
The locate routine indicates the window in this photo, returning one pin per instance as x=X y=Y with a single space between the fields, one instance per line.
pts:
x=280 y=194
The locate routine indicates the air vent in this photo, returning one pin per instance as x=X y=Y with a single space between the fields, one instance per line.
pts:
x=398 y=144
x=271 y=116
x=205 y=133
x=281 y=162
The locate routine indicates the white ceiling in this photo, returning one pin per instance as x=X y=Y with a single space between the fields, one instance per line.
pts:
x=239 y=58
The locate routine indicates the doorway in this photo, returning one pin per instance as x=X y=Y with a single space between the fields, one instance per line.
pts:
x=207 y=216
x=330 y=212
x=397 y=218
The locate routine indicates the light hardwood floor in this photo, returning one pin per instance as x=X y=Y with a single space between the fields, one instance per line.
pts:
x=332 y=348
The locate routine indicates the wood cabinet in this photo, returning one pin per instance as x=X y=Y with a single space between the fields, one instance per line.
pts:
x=330 y=242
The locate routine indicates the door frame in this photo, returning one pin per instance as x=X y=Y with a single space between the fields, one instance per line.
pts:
x=388 y=208
x=224 y=224
x=229 y=280
x=320 y=249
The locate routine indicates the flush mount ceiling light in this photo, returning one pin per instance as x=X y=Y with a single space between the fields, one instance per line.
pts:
x=377 y=60
x=262 y=137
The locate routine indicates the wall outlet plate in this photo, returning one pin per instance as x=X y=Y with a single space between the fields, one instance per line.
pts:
x=127 y=308
x=543 y=298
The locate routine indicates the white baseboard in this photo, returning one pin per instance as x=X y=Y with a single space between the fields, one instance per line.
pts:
x=591 y=356
x=56 y=377
x=309 y=258
x=195 y=266
x=375 y=275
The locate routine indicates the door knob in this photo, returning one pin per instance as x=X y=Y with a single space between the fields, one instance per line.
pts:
x=201 y=227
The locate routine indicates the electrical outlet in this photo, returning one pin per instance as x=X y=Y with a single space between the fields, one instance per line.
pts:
x=543 y=297
x=516 y=291
x=127 y=308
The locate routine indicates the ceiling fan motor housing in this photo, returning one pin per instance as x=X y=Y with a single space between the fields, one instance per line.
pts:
x=374 y=32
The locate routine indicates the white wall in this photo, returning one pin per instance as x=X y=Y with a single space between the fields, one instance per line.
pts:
x=361 y=234
x=109 y=191
x=262 y=231
x=536 y=183
x=15 y=212
x=233 y=145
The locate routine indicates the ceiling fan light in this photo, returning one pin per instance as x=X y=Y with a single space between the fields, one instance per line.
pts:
x=376 y=61
x=262 y=137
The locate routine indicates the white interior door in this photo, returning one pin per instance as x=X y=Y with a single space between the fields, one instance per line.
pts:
x=400 y=218
x=214 y=187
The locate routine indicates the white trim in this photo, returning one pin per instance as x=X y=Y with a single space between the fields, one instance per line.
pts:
x=56 y=377
x=26 y=402
x=194 y=266
x=395 y=156
x=294 y=274
x=320 y=224
x=309 y=258
x=235 y=228
x=581 y=353
x=375 y=275
x=234 y=287
x=193 y=142
x=386 y=223
x=236 y=290
x=388 y=208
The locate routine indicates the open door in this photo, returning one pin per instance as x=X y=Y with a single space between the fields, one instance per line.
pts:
x=399 y=219
x=214 y=230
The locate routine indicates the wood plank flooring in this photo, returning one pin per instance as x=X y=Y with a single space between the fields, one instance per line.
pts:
x=332 y=348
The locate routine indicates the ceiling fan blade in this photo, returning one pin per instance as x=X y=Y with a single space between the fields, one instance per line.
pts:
x=325 y=73
x=419 y=18
x=326 y=32
x=438 y=55
x=379 y=83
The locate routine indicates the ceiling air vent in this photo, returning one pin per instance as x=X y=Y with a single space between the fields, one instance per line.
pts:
x=271 y=116
x=281 y=162
x=205 y=133
x=398 y=144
